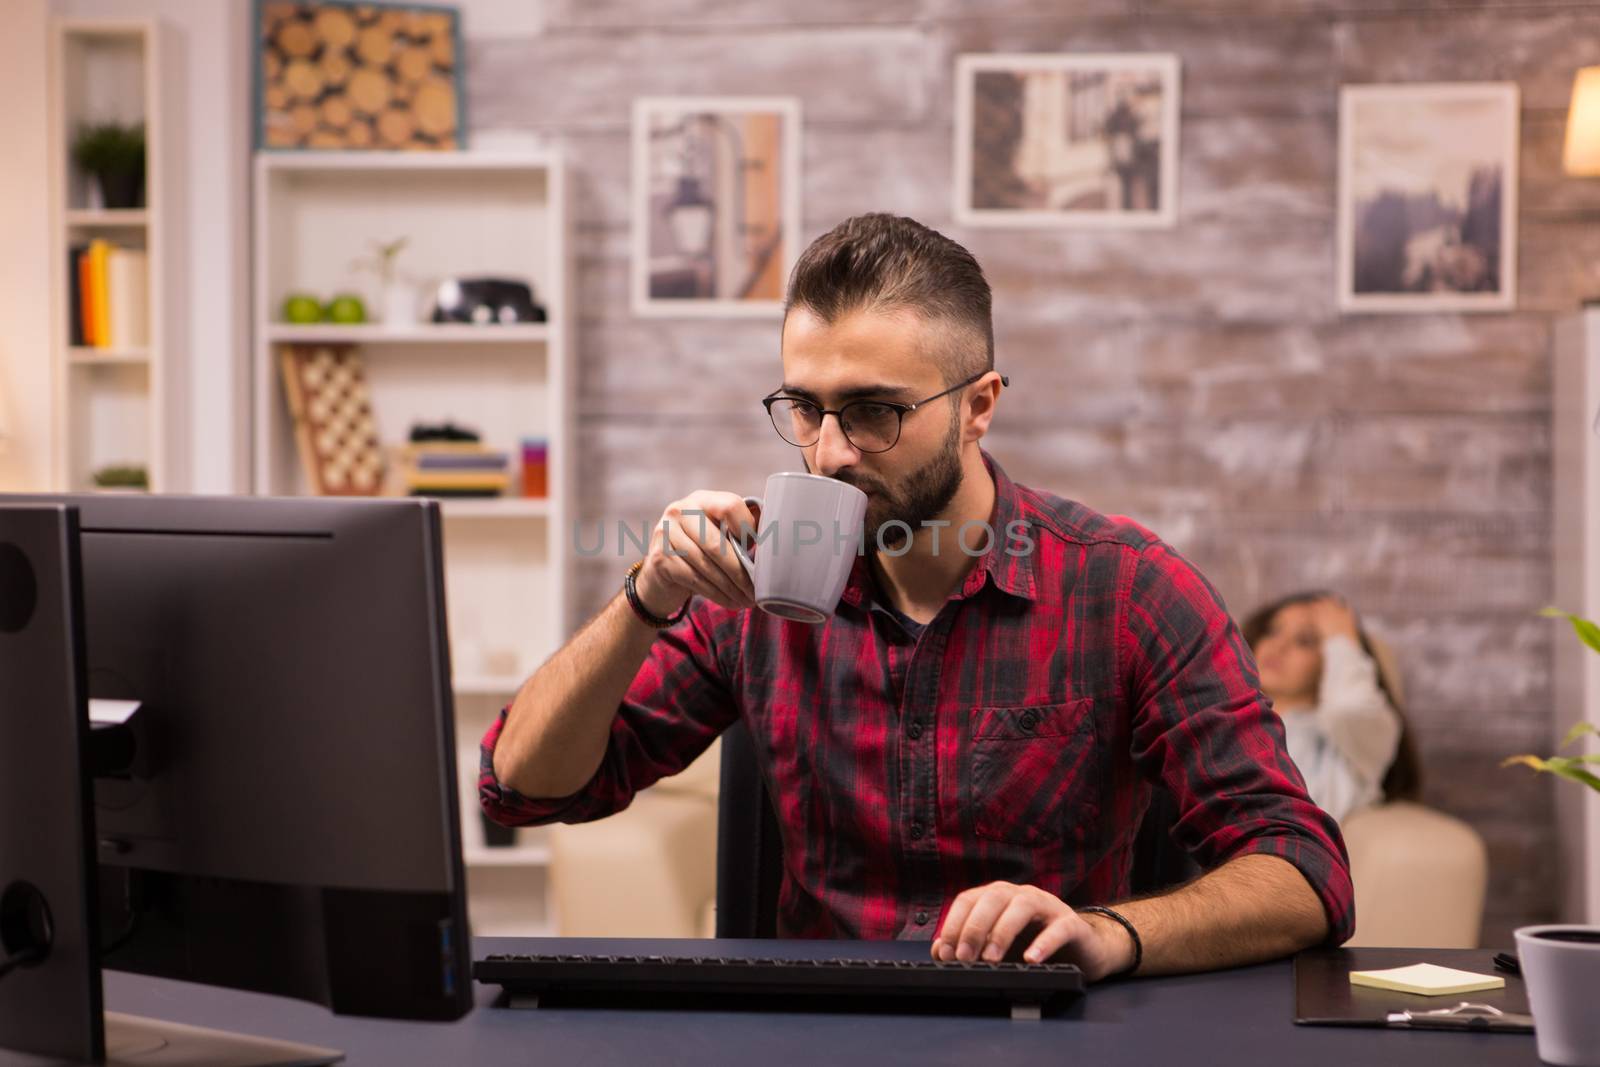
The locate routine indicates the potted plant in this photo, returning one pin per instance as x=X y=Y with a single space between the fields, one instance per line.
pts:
x=1561 y=961
x=122 y=479
x=114 y=154
x=398 y=302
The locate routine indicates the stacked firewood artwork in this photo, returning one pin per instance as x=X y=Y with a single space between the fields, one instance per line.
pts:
x=358 y=76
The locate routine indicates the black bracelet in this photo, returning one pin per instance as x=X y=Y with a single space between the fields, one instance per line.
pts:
x=648 y=617
x=1138 y=946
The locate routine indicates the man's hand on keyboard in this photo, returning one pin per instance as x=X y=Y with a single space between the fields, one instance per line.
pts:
x=996 y=921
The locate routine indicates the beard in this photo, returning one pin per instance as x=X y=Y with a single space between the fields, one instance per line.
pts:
x=923 y=496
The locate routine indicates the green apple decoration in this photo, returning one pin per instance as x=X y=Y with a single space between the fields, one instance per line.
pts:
x=347 y=309
x=302 y=308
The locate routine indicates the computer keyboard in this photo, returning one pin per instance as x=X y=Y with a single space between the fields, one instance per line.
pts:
x=1029 y=990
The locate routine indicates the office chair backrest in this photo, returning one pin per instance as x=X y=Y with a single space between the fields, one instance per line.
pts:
x=1159 y=862
x=749 y=848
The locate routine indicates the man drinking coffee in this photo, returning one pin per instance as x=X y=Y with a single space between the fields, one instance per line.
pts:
x=964 y=749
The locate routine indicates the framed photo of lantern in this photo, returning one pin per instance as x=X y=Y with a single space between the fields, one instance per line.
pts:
x=716 y=204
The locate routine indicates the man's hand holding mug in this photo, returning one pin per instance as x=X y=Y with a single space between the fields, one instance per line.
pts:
x=797 y=567
x=699 y=559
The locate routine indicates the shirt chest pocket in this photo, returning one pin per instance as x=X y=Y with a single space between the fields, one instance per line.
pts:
x=1036 y=772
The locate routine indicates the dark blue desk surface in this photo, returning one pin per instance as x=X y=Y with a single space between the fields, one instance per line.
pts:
x=1232 y=1017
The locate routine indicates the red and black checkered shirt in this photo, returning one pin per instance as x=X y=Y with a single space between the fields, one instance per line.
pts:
x=1016 y=737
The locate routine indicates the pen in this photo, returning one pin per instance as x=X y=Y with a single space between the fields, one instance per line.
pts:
x=1464 y=1016
x=1506 y=961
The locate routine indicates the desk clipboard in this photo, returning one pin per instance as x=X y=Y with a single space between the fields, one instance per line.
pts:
x=1323 y=995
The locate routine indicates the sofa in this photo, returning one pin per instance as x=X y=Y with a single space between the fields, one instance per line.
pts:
x=647 y=871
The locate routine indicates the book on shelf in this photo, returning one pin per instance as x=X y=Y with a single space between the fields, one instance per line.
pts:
x=99 y=298
x=457 y=485
x=455 y=468
x=460 y=461
x=85 y=297
x=110 y=296
x=128 y=287
x=77 y=324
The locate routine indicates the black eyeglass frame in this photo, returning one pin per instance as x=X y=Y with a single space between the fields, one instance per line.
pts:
x=901 y=410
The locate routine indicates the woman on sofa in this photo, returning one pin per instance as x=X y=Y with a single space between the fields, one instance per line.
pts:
x=1345 y=730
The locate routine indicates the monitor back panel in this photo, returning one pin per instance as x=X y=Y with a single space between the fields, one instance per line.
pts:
x=52 y=1007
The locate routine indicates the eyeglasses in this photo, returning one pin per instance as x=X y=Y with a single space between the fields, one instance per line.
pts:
x=869 y=425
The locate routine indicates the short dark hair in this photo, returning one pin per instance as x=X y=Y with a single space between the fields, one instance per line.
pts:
x=883 y=262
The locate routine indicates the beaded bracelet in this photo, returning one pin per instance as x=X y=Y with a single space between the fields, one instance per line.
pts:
x=1138 y=946
x=648 y=617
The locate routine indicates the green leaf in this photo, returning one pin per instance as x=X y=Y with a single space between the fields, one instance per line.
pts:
x=1572 y=773
x=1556 y=763
x=1587 y=632
x=1578 y=731
x=1563 y=767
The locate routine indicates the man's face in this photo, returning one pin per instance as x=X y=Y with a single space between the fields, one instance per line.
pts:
x=893 y=356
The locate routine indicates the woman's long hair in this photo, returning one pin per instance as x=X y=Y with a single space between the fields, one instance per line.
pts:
x=1403 y=779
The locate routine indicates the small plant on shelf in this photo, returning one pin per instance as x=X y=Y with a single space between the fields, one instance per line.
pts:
x=383 y=259
x=398 y=298
x=126 y=477
x=114 y=154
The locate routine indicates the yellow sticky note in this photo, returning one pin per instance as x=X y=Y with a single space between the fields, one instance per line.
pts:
x=1427 y=979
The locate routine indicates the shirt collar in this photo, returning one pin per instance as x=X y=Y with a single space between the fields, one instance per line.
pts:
x=1011 y=573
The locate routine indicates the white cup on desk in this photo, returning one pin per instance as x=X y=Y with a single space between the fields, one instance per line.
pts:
x=1561 y=966
x=807 y=538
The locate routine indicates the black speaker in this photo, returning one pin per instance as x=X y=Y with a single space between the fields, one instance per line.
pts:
x=486 y=302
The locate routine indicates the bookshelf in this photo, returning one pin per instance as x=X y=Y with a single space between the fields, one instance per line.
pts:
x=506 y=558
x=114 y=403
x=411 y=335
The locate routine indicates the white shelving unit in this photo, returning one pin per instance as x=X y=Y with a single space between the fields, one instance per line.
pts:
x=110 y=218
x=113 y=406
x=506 y=559
x=496 y=509
x=487 y=685
x=417 y=334
x=1576 y=408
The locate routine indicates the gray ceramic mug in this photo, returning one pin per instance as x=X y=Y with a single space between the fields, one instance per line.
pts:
x=807 y=539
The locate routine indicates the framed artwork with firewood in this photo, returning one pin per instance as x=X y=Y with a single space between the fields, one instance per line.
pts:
x=332 y=75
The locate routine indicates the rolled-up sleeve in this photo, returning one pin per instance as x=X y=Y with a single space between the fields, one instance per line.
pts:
x=678 y=703
x=1203 y=729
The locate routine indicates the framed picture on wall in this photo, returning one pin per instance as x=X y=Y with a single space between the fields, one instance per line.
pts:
x=716 y=204
x=337 y=75
x=1067 y=140
x=1428 y=197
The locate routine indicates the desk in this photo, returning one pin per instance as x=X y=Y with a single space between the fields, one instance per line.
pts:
x=1236 y=1017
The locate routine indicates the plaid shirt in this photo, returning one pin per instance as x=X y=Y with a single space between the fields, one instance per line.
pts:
x=1017 y=737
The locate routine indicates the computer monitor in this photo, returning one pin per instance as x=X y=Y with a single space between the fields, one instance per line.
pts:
x=288 y=823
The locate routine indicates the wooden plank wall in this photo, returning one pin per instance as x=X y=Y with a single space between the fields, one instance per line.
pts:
x=1200 y=378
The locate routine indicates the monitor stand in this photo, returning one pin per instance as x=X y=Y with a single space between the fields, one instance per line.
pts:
x=132 y=1041
x=51 y=1007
